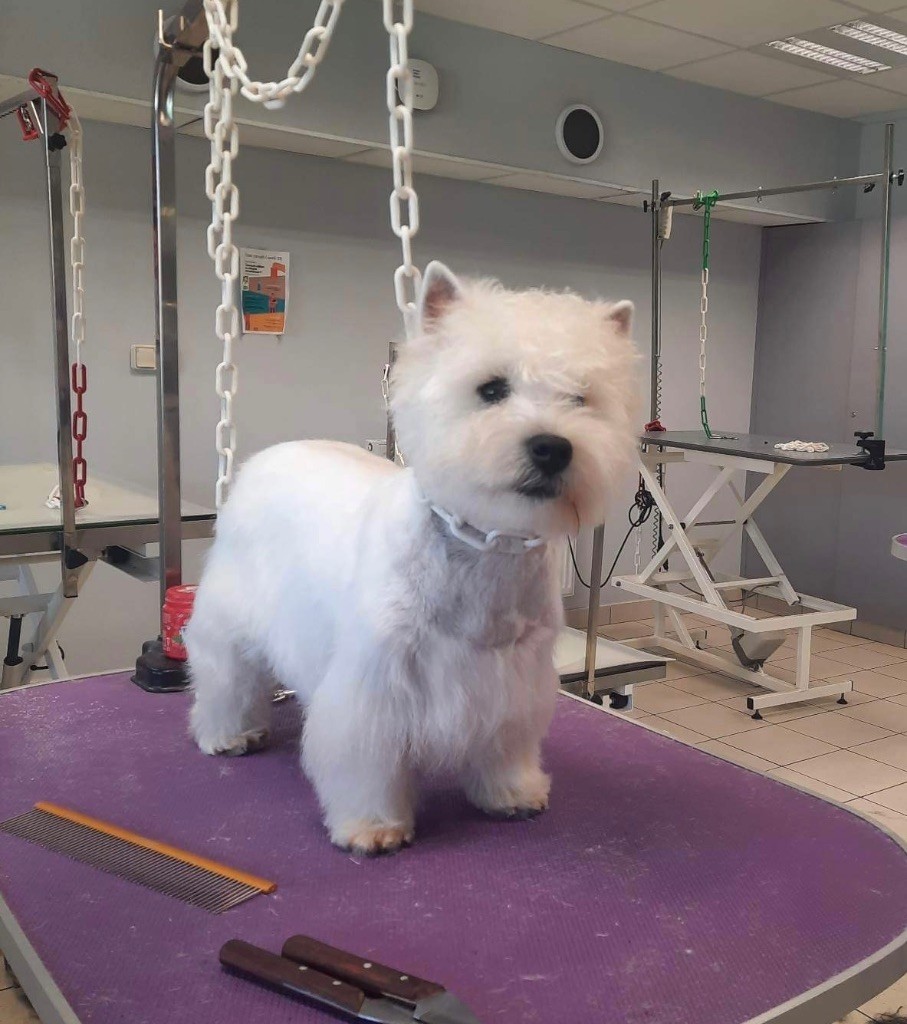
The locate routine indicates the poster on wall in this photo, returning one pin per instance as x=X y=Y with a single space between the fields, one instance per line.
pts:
x=265 y=275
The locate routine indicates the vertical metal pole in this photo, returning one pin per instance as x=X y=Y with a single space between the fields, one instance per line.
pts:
x=163 y=159
x=654 y=410
x=391 y=444
x=883 y=280
x=655 y=396
x=595 y=587
x=58 y=264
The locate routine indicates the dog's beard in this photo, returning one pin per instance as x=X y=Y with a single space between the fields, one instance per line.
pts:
x=539 y=488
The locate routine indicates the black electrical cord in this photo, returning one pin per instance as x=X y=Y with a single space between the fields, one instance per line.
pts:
x=750 y=590
x=639 y=512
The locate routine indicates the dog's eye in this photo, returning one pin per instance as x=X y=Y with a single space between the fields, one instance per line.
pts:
x=494 y=390
x=578 y=399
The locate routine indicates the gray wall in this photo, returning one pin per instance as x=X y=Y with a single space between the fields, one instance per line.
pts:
x=499 y=95
x=321 y=378
x=815 y=377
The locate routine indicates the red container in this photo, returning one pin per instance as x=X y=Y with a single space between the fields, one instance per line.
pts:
x=176 y=613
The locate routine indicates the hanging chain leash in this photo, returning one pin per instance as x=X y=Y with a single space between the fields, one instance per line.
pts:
x=77 y=264
x=45 y=85
x=707 y=202
x=228 y=76
x=404 y=200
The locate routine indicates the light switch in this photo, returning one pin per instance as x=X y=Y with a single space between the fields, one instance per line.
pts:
x=143 y=358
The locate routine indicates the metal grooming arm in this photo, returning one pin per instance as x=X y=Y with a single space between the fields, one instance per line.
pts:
x=70 y=558
x=180 y=38
x=657 y=575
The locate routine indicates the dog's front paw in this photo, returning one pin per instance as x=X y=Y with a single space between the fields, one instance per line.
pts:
x=235 y=746
x=512 y=800
x=371 y=839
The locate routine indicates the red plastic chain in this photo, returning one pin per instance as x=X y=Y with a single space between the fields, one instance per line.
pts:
x=27 y=123
x=79 y=433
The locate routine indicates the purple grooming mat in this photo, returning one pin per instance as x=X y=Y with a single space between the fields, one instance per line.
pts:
x=664 y=886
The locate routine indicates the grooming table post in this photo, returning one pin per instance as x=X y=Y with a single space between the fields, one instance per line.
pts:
x=687 y=545
x=595 y=589
x=179 y=39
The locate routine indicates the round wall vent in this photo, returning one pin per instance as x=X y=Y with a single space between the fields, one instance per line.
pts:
x=579 y=134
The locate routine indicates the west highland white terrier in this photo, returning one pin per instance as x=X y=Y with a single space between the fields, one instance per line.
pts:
x=414 y=611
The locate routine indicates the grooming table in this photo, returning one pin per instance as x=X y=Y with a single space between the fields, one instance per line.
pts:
x=116 y=526
x=664 y=886
x=692 y=542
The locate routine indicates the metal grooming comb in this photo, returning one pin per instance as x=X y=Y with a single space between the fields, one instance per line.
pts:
x=184 y=876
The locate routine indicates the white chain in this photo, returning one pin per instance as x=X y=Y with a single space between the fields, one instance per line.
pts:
x=703 y=330
x=273 y=95
x=404 y=218
x=227 y=77
x=636 y=555
x=404 y=200
x=77 y=242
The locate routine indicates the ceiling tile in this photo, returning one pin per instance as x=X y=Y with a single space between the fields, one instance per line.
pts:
x=878 y=6
x=895 y=80
x=554 y=185
x=630 y=41
x=840 y=99
x=530 y=19
x=751 y=22
x=749 y=73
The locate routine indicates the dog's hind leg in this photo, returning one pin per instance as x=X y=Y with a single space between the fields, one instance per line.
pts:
x=359 y=772
x=232 y=706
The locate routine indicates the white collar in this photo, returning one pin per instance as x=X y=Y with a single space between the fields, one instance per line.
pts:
x=494 y=540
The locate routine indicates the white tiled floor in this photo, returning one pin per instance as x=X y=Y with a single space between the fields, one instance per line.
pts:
x=856 y=755
x=13 y=1008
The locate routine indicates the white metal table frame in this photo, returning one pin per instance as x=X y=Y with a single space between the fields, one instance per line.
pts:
x=655 y=581
x=686 y=543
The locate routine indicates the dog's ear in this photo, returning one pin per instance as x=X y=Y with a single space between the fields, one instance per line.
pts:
x=439 y=289
x=620 y=316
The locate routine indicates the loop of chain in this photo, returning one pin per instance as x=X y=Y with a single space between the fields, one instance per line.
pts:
x=404 y=200
x=227 y=76
x=703 y=330
x=79 y=378
x=273 y=95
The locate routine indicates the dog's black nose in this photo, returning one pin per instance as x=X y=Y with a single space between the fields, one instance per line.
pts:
x=550 y=453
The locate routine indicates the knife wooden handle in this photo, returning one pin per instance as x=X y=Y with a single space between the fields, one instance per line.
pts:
x=288 y=977
x=372 y=977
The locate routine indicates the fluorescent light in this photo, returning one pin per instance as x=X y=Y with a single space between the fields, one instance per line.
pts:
x=875 y=35
x=828 y=55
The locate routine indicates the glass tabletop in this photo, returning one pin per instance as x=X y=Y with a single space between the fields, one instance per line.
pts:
x=24 y=491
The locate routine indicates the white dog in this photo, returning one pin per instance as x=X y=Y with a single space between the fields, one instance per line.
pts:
x=414 y=611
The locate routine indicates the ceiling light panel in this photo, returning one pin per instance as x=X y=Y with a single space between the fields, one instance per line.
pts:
x=873 y=35
x=828 y=55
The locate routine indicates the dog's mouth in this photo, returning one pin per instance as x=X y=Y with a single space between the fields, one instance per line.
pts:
x=540 y=488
